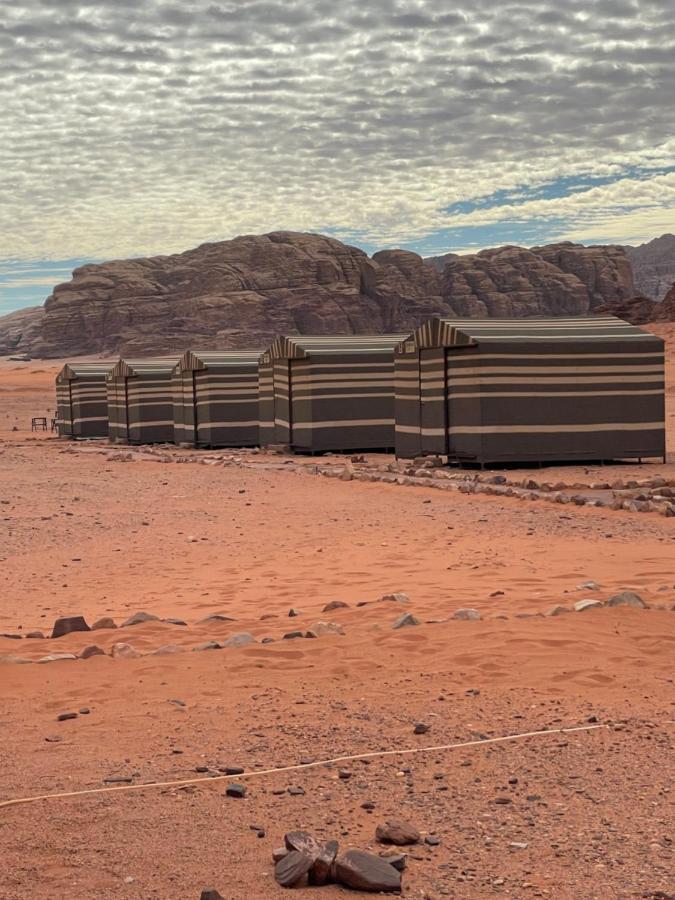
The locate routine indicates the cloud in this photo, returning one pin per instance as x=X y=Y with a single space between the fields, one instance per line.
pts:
x=132 y=128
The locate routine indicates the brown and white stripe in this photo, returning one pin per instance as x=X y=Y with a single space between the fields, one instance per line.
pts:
x=82 y=403
x=140 y=400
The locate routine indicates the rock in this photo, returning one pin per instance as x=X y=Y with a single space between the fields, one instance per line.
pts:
x=503 y=801
x=320 y=873
x=102 y=624
x=125 y=651
x=168 y=650
x=319 y=629
x=92 y=650
x=294 y=612
x=12 y=637
x=57 y=657
x=279 y=853
x=210 y=894
x=627 y=598
x=588 y=586
x=395 y=859
x=216 y=617
x=653 y=266
x=84 y=711
x=175 y=622
x=292 y=868
x=69 y=624
x=139 y=618
x=302 y=841
x=421 y=728
x=118 y=779
x=291 y=635
x=208 y=645
x=363 y=871
x=557 y=610
x=239 y=640
x=397 y=597
x=466 y=615
x=432 y=840
x=236 y=790
x=36 y=635
x=399 y=833
x=405 y=620
x=296 y=791
x=64 y=717
x=583 y=605
x=335 y=604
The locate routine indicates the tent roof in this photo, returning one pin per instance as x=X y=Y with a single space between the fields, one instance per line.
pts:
x=205 y=359
x=74 y=370
x=151 y=365
x=304 y=346
x=439 y=332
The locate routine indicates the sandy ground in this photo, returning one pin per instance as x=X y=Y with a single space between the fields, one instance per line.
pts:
x=590 y=813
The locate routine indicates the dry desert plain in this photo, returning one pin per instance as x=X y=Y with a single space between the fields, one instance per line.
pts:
x=585 y=814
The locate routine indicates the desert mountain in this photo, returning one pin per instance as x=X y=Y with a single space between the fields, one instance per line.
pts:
x=243 y=292
x=653 y=266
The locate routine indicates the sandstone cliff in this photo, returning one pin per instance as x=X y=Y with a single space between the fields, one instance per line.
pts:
x=243 y=292
x=653 y=266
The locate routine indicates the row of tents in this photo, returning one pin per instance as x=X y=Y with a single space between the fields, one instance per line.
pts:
x=475 y=390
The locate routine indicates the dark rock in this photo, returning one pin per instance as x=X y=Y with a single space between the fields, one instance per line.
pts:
x=421 y=728
x=63 y=717
x=363 y=871
x=69 y=624
x=302 y=841
x=432 y=840
x=296 y=791
x=239 y=640
x=293 y=612
x=395 y=859
x=399 y=833
x=279 y=853
x=118 y=779
x=291 y=635
x=335 y=604
x=466 y=615
x=320 y=873
x=405 y=620
x=54 y=739
x=503 y=801
x=236 y=790
x=84 y=711
x=103 y=624
x=216 y=617
x=37 y=635
x=175 y=622
x=211 y=894
x=139 y=618
x=627 y=598
x=292 y=868
x=233 y=770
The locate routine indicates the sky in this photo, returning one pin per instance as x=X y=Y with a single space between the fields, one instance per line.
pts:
x=142 y=127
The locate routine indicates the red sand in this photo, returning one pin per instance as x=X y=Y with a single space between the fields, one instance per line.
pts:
x=85 y=535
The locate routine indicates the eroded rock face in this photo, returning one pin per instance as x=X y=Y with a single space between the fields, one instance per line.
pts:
x=653 y=266
x=243 y=292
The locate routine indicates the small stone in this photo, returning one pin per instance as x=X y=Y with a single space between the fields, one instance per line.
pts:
x=291 y=635
x=267 y=640
x=233 y=770
x=103 y=624
x=208 y=645
x=241 y=639
x=518 y=845
x=293 y=612
x=399 y=833
x=54 y=739
x=175 y=622
x=36 y=635
x=627 y=598
x=583 y=605
x=125 y=651
x=292 y=868
x=344 y=774
x=139 y=618
x=210 y=894
x=84 y=711
x=319 y=629
x=588 y=586
x=201 y=770
x=92 y=650
x=363 y=871
x=432 y=840
x=395 y=859
x=335 y=604
x=368 y=805
x=503 y=801
x=69 y=624
x=56 y=657
x=557 y=610
x=236 y=790
x=405 y=620
x=216 y=617
x=421 y=728
x=296 y=791
x=168 y=650
x=278 y=853
x=118 y=779
x=466 y=615
x=303 y=842
x=63 y=717
x=396 y=597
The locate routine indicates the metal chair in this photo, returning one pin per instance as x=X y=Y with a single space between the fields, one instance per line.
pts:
x=38 y=423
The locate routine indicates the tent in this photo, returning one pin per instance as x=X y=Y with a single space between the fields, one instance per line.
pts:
x=140 y=400
x=519 y=390
x=215 y=398
x=82 y=404
x=328 y=393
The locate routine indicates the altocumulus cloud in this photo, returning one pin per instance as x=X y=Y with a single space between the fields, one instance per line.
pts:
x=141 y=127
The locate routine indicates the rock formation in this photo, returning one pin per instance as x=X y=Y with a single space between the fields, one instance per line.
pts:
x=243 y=292
x=653 y=266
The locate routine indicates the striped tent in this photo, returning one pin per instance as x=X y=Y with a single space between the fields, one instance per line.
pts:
x=328 y=393
x=82 y=404
x=140 y=400
x=215 y=398
x=497 y=390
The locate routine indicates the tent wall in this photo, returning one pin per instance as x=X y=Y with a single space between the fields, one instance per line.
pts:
x=117 y=410
x=82 y=407
x=266 y=399
x=216 y=399
x=544 y=391
x=140 y=401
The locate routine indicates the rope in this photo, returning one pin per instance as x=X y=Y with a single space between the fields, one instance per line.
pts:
x=310 y=765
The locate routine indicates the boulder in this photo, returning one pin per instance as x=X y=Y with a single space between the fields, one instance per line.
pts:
x=92 y=650
x=396 y=597
x=241 y=639
x=399 y=833
x=584 y=605
x=69 y=624
x=405 y=620
x=139 y=618
x=466 y=615
x=319 y=629
x=320 y=873
x=292 y=868
x=125 y=651
x=627 y=598
x=364 y=871
x=335 y=604
x=102 y=624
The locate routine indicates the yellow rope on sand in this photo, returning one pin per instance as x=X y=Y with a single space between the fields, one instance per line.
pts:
x=310 y=765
